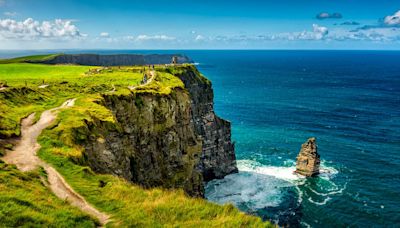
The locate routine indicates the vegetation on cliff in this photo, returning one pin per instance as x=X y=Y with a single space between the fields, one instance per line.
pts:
x=25 y=201
x=35 y=88
x=32 y=59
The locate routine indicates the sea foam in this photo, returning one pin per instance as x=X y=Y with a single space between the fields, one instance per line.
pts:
x=280 y=172
x=258 y=186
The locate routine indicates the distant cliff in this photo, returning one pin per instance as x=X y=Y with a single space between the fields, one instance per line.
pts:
x=173 y=141
x=111 y=60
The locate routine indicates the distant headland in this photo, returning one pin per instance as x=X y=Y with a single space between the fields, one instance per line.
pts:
x=103 y=60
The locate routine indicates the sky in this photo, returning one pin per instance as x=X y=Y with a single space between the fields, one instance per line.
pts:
x=206 y=24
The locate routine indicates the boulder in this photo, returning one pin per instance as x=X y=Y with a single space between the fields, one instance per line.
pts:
x=308 y=160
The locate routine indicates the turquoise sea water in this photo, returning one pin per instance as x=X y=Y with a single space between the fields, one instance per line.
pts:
x=348 y=100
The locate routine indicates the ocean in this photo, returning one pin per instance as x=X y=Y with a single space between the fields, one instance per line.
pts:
x=276 y=100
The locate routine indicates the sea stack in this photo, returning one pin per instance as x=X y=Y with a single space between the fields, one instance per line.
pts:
x=308 y=159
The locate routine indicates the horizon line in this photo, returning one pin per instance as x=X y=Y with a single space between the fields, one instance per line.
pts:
x=194 y=49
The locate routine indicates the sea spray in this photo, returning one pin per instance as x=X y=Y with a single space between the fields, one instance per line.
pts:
x=259 y=188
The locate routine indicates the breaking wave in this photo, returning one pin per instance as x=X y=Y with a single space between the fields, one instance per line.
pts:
x=257 y=187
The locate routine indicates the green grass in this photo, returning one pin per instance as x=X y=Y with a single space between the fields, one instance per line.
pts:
x=25 y=201
x=21 y=74
x=23 y=96
x=128 y=204
x=32 y=58
x=131 y=205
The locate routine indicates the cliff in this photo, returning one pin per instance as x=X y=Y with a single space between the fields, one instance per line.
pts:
x=218 y=157
x=163 y=133
x=171 y=140
x=110 y=60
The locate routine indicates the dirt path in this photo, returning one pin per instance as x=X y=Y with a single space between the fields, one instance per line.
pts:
x=24 y=157
x=152 y=74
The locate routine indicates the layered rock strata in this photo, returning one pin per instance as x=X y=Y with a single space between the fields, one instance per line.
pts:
x=172 y=141
x=218 y=156
x=308 y=160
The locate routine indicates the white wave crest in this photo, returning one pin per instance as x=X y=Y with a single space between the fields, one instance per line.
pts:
x=332 y=192
x=319 y=203
x=257 y=186
x=284 y=172
x=280 y=172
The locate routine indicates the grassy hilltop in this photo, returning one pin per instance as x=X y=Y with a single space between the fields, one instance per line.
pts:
x=31 y=59
x=26 y=88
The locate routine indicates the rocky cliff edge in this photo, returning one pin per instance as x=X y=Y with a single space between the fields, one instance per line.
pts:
x=172 y=141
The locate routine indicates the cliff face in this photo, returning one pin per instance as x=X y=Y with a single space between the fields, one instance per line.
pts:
x=114 y=60
x=173 y=141
x=218 y=156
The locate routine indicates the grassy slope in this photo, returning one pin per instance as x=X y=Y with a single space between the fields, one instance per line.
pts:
x=127 y=203
x=32 y=58
x=25 y=201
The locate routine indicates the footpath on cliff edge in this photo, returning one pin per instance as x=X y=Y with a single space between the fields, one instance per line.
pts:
x=25 y=158
x=152 y=76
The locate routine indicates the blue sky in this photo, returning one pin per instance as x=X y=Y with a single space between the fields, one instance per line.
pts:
x=177 y=24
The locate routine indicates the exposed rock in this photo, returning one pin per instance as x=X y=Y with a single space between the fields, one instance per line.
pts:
x=172 y=141
x=153 y=143
x=114 y=60
x=308 y=160
x=218 y=158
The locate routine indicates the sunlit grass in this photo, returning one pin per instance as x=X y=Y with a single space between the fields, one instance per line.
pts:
x=25 y=201
x=23 y=95
x=62 y=143
x=32 y=58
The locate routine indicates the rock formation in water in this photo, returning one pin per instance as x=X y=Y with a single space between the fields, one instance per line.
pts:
x=308 y=160
x=113 y=60
x=172 y=141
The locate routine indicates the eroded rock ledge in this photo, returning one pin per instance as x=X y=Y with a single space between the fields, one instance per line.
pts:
x=172 y=141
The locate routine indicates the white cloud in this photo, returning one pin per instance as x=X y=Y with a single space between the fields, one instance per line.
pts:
x=317 y=33
x=320 y=31
x=30 y=29
x=199 y=38
x=325 y=15
x=154 y=38
x=128 y=38
x=104 y=34
x=392 y=20
x=372 y=34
